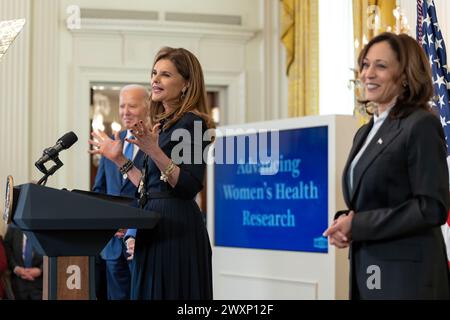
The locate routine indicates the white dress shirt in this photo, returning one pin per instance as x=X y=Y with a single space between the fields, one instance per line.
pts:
x=378 y=121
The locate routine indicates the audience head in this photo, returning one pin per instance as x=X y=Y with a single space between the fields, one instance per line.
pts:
x=134 y=105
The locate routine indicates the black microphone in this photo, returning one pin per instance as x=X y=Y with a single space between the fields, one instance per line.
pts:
x=65 y=142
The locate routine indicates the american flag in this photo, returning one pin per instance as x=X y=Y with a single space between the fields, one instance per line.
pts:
x=430 y=37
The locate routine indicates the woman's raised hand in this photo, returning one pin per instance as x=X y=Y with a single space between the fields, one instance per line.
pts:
x=145 y=138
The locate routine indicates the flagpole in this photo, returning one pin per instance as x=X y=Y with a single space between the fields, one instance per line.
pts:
x=419 y=21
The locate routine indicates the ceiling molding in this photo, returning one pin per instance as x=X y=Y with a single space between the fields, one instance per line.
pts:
x=118 y=14
x=162 y=28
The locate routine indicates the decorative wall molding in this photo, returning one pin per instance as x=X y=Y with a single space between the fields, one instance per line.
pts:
x=203 y=18
x=76 y=174
x=275 y=80
x=236 y=95
x=89 y=13
x=161 y=28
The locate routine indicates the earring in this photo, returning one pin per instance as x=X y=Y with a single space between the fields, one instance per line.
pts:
x=183 y=93
x=404 y=83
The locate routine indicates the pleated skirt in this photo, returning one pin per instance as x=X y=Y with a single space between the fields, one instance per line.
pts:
x=173 y=260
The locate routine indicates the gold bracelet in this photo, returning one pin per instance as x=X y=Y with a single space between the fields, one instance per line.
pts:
x=167 y=171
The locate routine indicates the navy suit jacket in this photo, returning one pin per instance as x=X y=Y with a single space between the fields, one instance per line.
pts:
x=109 y=181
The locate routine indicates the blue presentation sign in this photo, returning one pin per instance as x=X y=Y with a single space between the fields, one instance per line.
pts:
x=283 y=211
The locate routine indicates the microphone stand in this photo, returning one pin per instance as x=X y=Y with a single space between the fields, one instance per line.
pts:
x=48 y=173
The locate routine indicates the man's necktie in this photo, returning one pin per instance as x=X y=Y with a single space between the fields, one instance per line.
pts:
x=28 y=254
x=129 y=149
x=129 y=153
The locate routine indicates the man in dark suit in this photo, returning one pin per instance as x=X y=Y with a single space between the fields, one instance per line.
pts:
x=25 y=265
x=133 y=107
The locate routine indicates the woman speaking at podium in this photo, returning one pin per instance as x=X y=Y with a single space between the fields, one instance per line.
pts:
x=173 y=260
x=395 y=182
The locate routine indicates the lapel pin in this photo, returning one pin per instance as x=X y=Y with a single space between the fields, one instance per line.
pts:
x=380 y=141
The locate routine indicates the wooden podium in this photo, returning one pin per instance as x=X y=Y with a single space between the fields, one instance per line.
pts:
x=69 y=228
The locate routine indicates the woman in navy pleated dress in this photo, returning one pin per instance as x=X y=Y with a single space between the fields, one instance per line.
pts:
x=173 y=260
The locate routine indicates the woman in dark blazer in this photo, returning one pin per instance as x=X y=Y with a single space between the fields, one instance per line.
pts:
x=173 y=260
x=395 y=182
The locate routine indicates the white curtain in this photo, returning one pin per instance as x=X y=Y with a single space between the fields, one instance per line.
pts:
x=336 y=56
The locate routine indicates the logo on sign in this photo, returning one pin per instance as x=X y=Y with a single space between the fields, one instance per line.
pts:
x=74 y=280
